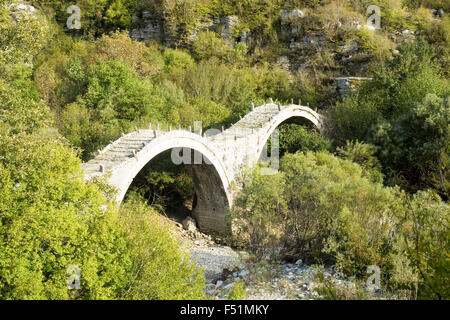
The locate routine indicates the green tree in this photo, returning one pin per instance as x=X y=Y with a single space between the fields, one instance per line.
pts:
x=425 y=240
x=416 y=145
x=51 y=220
x=161 y=271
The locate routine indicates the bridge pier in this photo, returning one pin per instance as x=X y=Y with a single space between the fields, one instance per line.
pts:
x=212 y=204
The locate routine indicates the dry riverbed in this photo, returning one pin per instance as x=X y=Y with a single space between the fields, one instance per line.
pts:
x=224 y=267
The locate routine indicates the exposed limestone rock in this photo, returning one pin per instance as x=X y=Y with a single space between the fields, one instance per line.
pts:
x=290 y=20
x=288 y=16
x=346 y=85
x=19 y=9
x=228 y=22
x=151 y=27
x=189 y=224
x=283 y=63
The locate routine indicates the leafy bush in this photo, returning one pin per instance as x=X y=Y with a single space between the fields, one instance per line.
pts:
x=396 y=86
x=208 y=45
x=21 y=109
x=258 y=213
x=364 y=155
x=237 y=292
x=374 y=43
x=321 y=208
x=295 y=138
x=51 y=219
x=416 y=144
x=176 y=60
x=97 y=16
x=161 y=271
x=425 y=241
x=21 y=42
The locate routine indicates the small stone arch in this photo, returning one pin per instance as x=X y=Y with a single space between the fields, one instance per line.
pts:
x=287 y=114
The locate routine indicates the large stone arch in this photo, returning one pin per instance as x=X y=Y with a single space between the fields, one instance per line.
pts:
x=211 y=179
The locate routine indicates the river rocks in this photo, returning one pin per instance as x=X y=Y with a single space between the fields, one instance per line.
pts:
x=214 y=260
x=19 y=9
x=189 y=224
x=284 y=281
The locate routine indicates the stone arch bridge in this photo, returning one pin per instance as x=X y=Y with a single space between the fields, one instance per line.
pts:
x=216 y=162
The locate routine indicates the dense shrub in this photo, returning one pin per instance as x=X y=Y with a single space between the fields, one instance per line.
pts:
x=425 y=241
x=416 y=144
x=161 y=271
x=50 y=220
x=329 y=212
x=365 y=155
x=395 y=88
x=295 y=138
x=20 y=42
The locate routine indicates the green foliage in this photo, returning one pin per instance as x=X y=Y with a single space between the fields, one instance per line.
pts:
x=97 y=16
x=394 y=15
x=208 y=44
x=295 y=138
x=336 y=212
x=364 y=155
x=416 y=144
x=351 y=119
x=116 y=92
x=175 y=60
x=258 y=212
x=237 y=292
x=425 y=239
x=118 y=14
x=438 y=34
x=163 y=184
x=405 y=80
x=325 y=210
x=21 y=109
x=161 y=271
x=396 y=86
x=51 y=219
x=375 y=43
x=20 y=42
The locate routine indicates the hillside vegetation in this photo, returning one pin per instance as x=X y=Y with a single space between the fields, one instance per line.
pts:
x=372 y=190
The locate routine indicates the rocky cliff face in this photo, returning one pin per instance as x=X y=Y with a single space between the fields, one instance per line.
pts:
x=311 y=51
x=151 y=26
